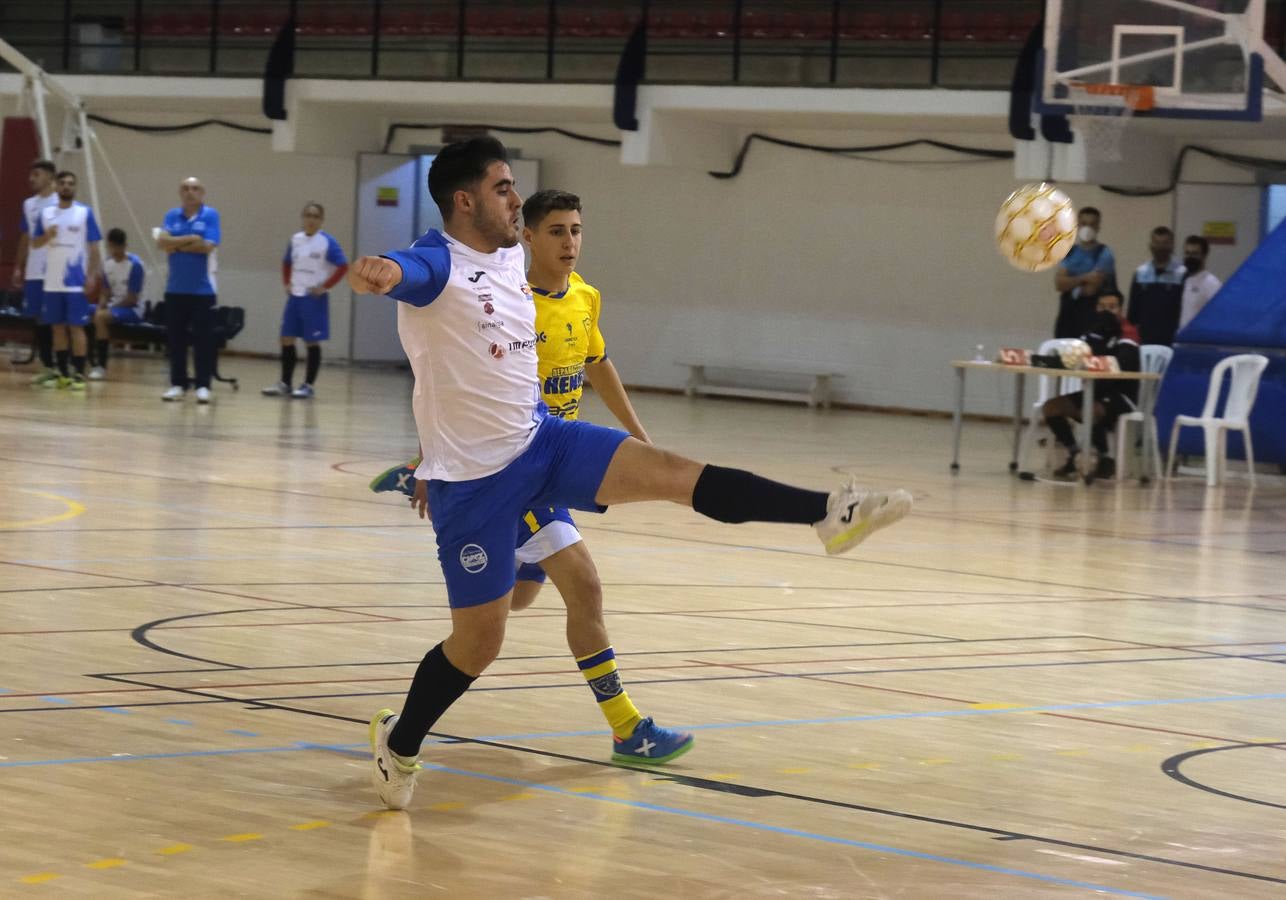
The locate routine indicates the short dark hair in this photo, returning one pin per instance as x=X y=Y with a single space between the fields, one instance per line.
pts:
x=542 y=203
x=1162 y=231
x=64 y=174
x=45 y=164
x=1199 y=241
x=460 y=166
x=1090 y=211
x=320 y=209
x=116 y=236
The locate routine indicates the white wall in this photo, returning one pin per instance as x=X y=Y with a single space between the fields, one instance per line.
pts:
x=881 y=271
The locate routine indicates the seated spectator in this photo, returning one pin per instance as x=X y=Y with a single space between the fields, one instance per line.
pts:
x=1200 y=286
x=123 y=273
x=1112 y=398
x=1156 y=293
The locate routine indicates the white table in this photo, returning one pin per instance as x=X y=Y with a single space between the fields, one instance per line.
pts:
x=1087 y=408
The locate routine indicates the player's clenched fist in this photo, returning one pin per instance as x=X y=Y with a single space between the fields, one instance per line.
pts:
x=374 y=275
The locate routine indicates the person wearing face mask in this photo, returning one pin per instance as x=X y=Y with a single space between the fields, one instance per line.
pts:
x=1200 y=286
x=1156 y=293
x=1088 y=271
x=1112 y=398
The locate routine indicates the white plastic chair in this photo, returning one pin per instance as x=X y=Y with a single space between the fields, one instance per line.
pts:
x=1153 y=358
x=1246 y=369
x=1047 y=387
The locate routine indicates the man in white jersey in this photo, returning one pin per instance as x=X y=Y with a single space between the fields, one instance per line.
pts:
x=490 y=452
x=29 y=265
x=73 y=263
x=123 y=277
x=314 y=263
x=1199 y=284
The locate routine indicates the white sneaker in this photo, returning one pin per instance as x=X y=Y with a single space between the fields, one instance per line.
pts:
x=394 y=781
x=853 y=513
x=202 y=395
x=174 y=393
x=280 y=389
x=303 y=392
x=98 y=373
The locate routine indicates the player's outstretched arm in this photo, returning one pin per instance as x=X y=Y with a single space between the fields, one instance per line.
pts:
x=374 y=275
x=604 y=378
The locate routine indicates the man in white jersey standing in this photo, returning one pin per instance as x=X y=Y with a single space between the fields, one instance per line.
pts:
x=490 y=452
x=71 y=234
x=314 y=263
x=29 y=266
x=123 y=276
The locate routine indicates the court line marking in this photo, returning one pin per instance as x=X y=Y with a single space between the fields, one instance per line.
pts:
x=711 y=726
x=73 y=509
x=789 y=832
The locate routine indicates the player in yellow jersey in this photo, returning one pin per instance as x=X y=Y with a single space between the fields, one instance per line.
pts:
x=571 y=351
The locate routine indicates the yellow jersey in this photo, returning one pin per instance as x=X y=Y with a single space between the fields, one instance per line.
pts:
x=567 y=337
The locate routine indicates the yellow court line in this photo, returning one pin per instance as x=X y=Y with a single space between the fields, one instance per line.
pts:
x=110 y=863
x=73 y=510
x=445 y=806
x=40 y=878
x=309 y=826
x=239 y=838
x=174 y=848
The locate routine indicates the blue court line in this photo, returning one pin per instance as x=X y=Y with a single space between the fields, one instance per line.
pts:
x=179 y=722
x=794 y=832
x=716 y=726
x=60 y=700
x=243 y=732
x=118 y=710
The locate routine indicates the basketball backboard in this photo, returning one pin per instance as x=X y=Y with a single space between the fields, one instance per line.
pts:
x=1202 y=59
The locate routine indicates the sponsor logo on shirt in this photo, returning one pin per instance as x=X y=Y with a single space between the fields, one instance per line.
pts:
x=477 y=276
x=488 y=308
x=497 y=351
x=486 y=324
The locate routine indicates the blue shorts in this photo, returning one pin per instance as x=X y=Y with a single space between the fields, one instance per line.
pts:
x=126 y=315
x=33 y=297
x=66 y=308
x=307 y=318
x=478 y=521
x=543 y=533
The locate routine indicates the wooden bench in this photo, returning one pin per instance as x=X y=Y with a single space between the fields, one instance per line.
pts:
x=818 y=394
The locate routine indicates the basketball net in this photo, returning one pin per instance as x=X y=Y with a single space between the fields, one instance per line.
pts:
x=1102 y=125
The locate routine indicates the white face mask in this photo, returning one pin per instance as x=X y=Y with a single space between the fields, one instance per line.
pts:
x=1087 y=233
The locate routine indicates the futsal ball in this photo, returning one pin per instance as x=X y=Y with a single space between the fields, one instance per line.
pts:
x=1073 y=352
x=1036 y=227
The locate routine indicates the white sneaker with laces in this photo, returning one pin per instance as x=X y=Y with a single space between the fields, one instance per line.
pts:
x=853 y=513
x=203 y=395
x=303 y=392
x=394 y=781
x=173 y=393
x=98 y=373
x=280 y=389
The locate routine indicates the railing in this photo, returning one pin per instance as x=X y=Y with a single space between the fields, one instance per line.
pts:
x=804 y=42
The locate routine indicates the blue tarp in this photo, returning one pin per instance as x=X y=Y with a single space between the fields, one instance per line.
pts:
x=1248 y=315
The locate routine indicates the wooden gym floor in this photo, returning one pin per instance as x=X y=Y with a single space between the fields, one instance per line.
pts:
x=1023 y=690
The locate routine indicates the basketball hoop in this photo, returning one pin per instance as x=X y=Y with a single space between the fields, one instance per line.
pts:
x=1103 y=112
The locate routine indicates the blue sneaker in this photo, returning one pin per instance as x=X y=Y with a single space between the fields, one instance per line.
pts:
x=651 y=745
x=399 y=478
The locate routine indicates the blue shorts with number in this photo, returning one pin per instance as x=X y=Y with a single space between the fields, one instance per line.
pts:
x=307 y=318
x=478 y=521
x=33 y=296
x=66 y=308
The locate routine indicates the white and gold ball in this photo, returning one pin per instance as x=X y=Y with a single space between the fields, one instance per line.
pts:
x=1036 y=227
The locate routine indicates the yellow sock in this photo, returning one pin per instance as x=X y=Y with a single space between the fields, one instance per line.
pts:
x=599 y=670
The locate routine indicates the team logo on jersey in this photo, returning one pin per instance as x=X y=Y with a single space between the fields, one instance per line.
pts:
x=497 y=352
x=473 y=559
x=488 y=308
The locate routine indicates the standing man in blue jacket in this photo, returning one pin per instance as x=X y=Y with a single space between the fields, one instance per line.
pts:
x=190 y=236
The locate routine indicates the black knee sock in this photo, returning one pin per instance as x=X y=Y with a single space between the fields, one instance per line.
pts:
x=45 y=345
x=733 y=495
x=1098 y=435
x=1062 y=430
x=101 y=348
x=314 y=363
x=436 y=686
x=60 y=358
x=78 y=363
x=288 y=357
